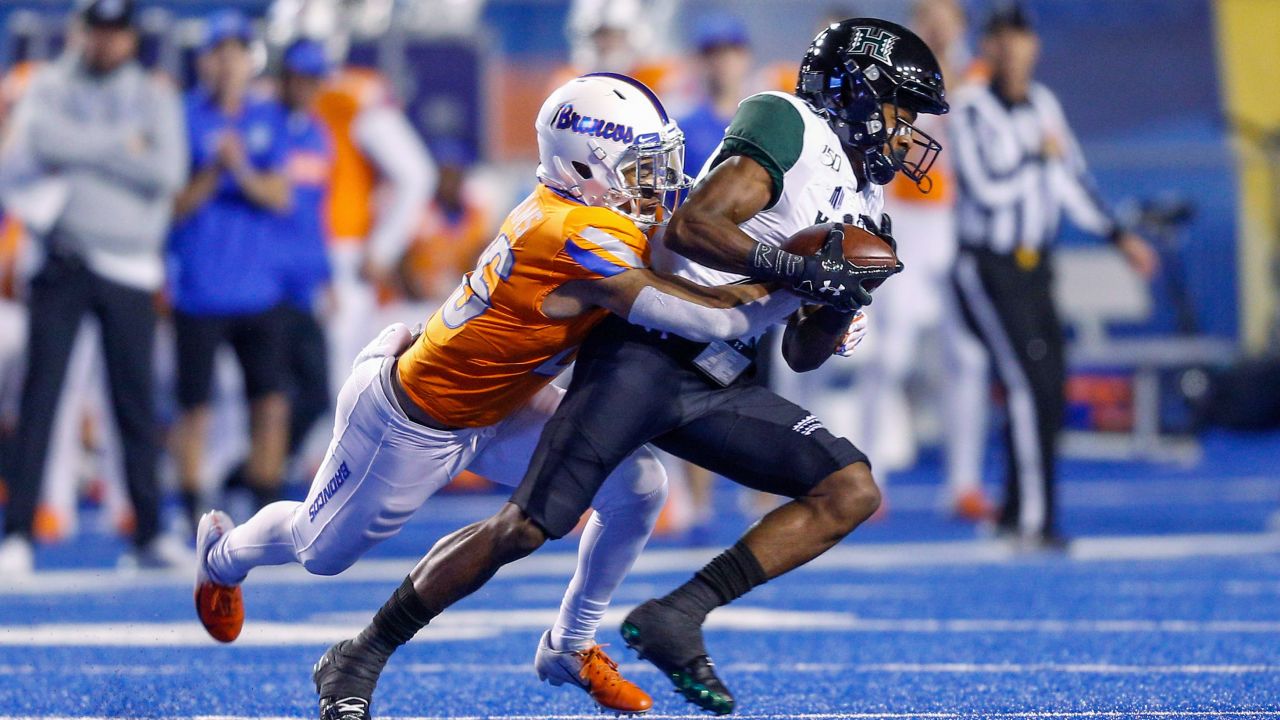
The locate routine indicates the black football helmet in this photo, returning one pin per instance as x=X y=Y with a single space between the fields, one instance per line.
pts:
x=855 y=66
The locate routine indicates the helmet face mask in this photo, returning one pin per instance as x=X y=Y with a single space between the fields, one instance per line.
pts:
x=605 y=140
x=651 y=181
x=853 y=71
x=914 y=157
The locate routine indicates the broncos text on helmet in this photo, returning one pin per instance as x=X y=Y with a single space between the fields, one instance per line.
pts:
x=606 y=140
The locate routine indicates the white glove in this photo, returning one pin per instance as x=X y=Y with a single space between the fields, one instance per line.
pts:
x=857 y=330
x=393 y=340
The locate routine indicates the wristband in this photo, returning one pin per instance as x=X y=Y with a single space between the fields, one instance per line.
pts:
x=773 y=262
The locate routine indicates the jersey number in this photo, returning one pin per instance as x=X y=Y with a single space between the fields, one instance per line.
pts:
x=471 y=298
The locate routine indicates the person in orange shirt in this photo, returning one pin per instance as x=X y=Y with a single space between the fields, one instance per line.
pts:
x=453 y=231
x=381 y=177
x=473 y=392
x=924 y=300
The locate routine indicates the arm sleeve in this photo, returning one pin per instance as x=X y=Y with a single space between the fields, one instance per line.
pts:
x=657 y=310
x=988 y=181
x=161 y=168
x=388 y=139
x=1078 y=190
x=770 y=131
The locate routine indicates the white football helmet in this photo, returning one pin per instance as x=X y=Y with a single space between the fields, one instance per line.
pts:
x=606 y=140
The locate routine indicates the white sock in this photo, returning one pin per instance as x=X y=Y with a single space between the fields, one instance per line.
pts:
x=266 y=539
x=608 y=548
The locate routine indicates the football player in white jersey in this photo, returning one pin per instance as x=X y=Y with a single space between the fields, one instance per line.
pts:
x=786 y=163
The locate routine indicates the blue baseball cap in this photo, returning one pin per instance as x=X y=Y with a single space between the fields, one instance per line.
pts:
x=306 y=57
x=720 y=30
x=227 y=25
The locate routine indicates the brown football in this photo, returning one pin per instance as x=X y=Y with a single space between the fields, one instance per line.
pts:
x=860 y=247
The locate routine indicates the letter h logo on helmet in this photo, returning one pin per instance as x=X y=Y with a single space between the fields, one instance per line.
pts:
x=873 y=41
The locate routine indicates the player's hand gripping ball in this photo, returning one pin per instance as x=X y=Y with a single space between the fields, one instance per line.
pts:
x=865 y=261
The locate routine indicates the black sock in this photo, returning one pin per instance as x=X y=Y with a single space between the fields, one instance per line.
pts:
x=361 y=660
x=403 y=615
x=726 y=578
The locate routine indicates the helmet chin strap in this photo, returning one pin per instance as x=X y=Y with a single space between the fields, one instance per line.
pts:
x=880 y=169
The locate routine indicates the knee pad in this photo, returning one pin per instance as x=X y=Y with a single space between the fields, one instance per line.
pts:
x=639 y=481
x=328 y=563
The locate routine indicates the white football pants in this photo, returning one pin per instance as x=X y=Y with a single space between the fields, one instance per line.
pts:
x=381 y=467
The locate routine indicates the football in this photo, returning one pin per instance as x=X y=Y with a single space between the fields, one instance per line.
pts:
x=861 y=247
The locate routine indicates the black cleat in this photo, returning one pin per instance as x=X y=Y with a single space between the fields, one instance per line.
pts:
x=350 y=708
x=672 y=641
x=344 y=683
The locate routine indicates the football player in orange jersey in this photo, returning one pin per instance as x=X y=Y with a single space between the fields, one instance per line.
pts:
x=472 y=391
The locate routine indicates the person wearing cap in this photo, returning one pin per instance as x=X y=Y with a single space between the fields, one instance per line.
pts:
x=724 y=58
x=1018 y=167
x=107 y=140
x=301 y=240
x=226 y=286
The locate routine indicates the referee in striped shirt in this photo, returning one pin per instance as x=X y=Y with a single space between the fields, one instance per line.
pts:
x=1018 y=168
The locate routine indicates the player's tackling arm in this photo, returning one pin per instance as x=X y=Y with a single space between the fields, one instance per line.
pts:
x=675 y=305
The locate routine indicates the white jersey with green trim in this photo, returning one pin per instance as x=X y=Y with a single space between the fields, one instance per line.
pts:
x=818 y=183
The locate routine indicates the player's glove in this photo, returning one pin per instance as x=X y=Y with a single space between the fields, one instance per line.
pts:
x=825 y=277
x=853 y=336
x=884 y=230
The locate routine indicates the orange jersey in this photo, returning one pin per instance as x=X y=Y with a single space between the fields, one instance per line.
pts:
x=490 y=348
x=353 y=179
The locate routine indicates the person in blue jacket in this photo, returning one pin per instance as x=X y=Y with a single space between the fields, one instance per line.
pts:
x=225 y=283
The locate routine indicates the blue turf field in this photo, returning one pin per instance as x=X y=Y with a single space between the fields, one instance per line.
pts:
x=1168 y=606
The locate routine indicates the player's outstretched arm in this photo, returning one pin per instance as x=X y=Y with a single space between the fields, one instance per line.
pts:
x=675 y=305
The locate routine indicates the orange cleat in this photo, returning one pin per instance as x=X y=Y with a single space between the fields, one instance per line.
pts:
x=593 y=671
x=220 y=607
x=972 y=506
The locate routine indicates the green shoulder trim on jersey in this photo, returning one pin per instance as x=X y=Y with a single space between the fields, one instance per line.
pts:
x=769 y=130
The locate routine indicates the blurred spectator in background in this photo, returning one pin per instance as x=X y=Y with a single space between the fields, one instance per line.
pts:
x=453 y=231
x=724 y=58
x=1018 y=167
x=227 y=285
x=904 y=312
x=13 y=253
x=108 y=145
x=381 y=179
x=615 y=36
x=303 y=237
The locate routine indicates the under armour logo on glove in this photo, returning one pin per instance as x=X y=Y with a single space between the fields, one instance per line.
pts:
x=832 y=290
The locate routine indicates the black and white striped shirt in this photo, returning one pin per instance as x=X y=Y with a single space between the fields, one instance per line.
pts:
x=1011 y=191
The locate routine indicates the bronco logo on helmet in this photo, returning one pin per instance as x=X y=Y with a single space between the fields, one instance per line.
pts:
x=567 y=119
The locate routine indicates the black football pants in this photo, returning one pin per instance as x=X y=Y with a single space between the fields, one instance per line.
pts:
x=61 y=294
x=1010 y=307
